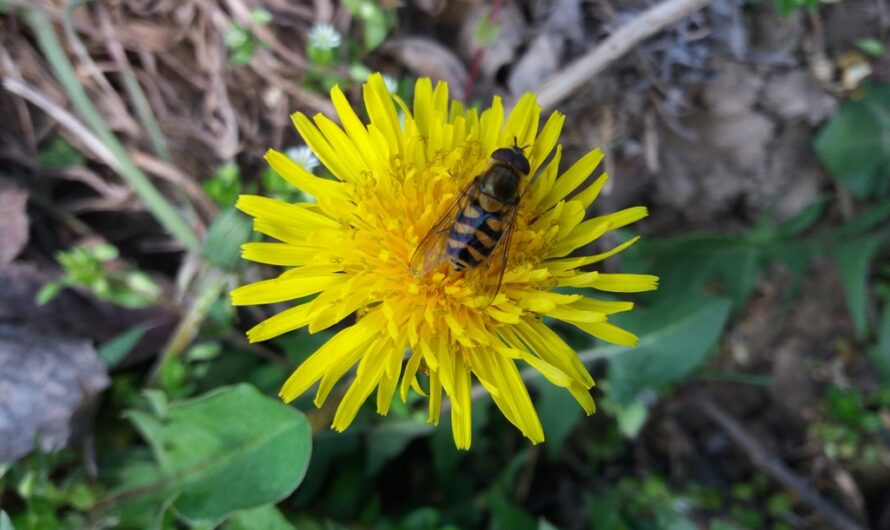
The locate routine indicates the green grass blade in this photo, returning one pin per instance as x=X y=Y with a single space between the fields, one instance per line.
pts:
x=61 y=66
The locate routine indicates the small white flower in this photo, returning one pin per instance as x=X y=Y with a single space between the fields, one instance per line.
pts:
x=303 y=156
x=391 y=84
x=324 y=37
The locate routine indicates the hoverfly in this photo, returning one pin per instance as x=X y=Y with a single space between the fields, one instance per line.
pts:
x=474 y=232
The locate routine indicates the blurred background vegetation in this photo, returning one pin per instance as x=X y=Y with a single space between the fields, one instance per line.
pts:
x=757 y=132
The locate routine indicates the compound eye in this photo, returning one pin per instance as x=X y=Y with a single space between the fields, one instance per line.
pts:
x=503 y=155
x=513 y=157
x=521 y=163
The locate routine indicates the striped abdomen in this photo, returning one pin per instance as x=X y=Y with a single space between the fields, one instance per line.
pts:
x=475 y=232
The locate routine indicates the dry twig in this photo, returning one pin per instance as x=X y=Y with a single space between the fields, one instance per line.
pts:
x=773 y=466
x=64 y=118
x=614 y=47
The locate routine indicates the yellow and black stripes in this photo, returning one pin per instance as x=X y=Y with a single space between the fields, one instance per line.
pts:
x=475 y=232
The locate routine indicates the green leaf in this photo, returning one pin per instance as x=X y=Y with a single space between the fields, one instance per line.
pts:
x=5 y=523
x=157 y=401
x=865 y=221
x=675 y=338
x=505 y=515
x=721 y=525
x=871 y=46
x=631 y=418
x=388 y=439
x=421 y=519
x=688 y=265
x=853 y=260
x=115 y=349
x=544 y=524
x=229 y=231
x=141 y=496
x=328 y=449
x=48 y=292
x=667 y=518
x=260 y=16
x=445 y=455
x=605 y=514
x=855 y=144
x=559 y=414
x=59 y=154
x=487 y=31
x=377 y=26
x=229 y=450
x=801 y=222
x=738 y=272
x=266 y=517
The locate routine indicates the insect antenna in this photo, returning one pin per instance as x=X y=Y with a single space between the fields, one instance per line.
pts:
x=520 y=147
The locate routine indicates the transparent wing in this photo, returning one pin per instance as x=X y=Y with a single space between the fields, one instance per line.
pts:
x=430 y=252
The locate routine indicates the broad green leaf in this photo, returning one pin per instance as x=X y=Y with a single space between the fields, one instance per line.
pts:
x=559 y=413
x=689 y=265
x=266 y=517
x=388 y=439
x=684 y=264
x=855 y=144
x=142 y=495
x=738 y=272
x=675 y=336
x=228 y=450
x=853 y=260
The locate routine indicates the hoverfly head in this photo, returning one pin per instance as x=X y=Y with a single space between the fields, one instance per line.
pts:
x=513 y=157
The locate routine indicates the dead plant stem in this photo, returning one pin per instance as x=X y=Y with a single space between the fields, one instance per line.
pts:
x=772 y=465
x=581 y=71
x=64 y=71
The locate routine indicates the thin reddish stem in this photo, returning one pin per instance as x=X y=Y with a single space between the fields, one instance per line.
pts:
x=480 y=53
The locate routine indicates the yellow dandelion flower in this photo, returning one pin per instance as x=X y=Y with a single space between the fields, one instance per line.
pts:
x=353 y=248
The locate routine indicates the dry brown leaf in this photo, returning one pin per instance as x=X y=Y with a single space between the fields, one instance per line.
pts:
x=13 y=221
x=45 y=381
x=148 y=36
x=430 y=7
x=427 y=58
x=76 y=313
x=540 y=61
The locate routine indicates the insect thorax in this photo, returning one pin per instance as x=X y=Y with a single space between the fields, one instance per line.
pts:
x=500 y=182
